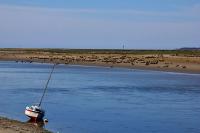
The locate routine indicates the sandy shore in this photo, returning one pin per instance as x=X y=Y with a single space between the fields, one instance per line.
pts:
x=13 y=126
x=159 y=62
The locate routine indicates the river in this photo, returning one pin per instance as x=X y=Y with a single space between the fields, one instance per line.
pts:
x=84 y=99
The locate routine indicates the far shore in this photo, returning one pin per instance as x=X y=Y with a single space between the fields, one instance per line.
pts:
x=176 y=61
x=14 y=126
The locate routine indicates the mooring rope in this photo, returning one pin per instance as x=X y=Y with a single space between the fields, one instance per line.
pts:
x=46 y=85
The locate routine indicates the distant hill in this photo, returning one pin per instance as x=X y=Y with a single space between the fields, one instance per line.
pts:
x=189 y=48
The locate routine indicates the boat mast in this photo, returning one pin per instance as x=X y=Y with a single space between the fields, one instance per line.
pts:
x=46 y=85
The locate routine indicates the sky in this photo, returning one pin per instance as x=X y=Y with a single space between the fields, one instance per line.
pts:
x=102 y=24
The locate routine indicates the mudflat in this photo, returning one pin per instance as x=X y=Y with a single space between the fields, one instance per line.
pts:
x=14 y=126
x=162 y=60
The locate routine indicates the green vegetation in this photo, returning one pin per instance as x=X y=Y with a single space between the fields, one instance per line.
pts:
x=104 y=51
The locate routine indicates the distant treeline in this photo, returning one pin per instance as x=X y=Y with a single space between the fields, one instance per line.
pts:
x=186 y=48
x=182 y=51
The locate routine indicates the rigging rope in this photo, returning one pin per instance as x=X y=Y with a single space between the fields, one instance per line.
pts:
x=46 y=85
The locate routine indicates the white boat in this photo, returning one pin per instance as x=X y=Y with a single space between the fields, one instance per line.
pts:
x=35 y=112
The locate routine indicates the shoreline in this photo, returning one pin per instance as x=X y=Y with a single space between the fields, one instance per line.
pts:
x=154 y=61
x=184 y=71
x=14 y=126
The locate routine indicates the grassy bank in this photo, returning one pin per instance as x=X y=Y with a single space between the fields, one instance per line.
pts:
x=104 y=51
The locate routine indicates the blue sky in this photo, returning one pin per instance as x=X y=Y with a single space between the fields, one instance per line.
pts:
x=138 y=24
x=158 y=5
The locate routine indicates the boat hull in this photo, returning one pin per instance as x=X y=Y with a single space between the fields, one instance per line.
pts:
x=34 y=115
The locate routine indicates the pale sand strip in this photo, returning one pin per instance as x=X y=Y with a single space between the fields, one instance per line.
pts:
x=167 y=63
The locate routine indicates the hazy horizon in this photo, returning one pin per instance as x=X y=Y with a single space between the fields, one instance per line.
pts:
x=93 y=24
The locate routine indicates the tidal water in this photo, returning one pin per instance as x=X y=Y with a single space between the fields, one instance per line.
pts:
x=83 y=99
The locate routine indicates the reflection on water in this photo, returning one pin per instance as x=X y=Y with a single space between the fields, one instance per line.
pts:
x=96 y=99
